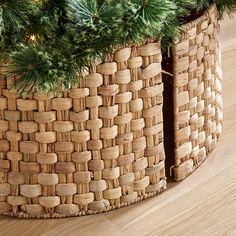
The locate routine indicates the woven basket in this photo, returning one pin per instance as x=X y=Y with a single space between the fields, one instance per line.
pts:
x=92 y=149
x=197 y=92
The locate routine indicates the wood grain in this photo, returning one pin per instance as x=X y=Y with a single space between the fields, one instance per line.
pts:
x=203 y=204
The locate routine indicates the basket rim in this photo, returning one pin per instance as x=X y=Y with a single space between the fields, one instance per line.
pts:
x=189 y=25
x=204 y=16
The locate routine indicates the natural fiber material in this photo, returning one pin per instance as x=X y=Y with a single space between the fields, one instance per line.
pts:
x=197 y=92
x=95 y=148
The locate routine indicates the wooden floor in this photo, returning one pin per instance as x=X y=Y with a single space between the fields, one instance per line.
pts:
x=202 y=205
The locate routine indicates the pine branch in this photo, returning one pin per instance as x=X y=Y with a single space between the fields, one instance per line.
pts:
x=226 y=6
x=14 y=18
x=15 y=14
x=93 y=28
x=40 y=69
x=202 y=4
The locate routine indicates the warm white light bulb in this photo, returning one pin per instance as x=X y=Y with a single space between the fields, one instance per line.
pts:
x=32 y=38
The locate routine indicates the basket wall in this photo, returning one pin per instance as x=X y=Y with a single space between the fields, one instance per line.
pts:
x=197 y=92
x=92 y=149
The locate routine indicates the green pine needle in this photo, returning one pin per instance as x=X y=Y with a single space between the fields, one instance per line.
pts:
x=39 y=70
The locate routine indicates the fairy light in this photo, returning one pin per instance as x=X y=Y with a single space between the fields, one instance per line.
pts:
x=33 y=38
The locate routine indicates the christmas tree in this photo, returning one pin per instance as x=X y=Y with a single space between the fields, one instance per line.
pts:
x=48 y=43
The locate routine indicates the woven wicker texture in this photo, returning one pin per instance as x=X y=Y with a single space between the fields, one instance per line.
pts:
x=92 y=149
x=197 y=92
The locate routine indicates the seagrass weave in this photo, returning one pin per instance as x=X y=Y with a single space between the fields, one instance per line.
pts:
x=197 y=92
x=91 y=149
